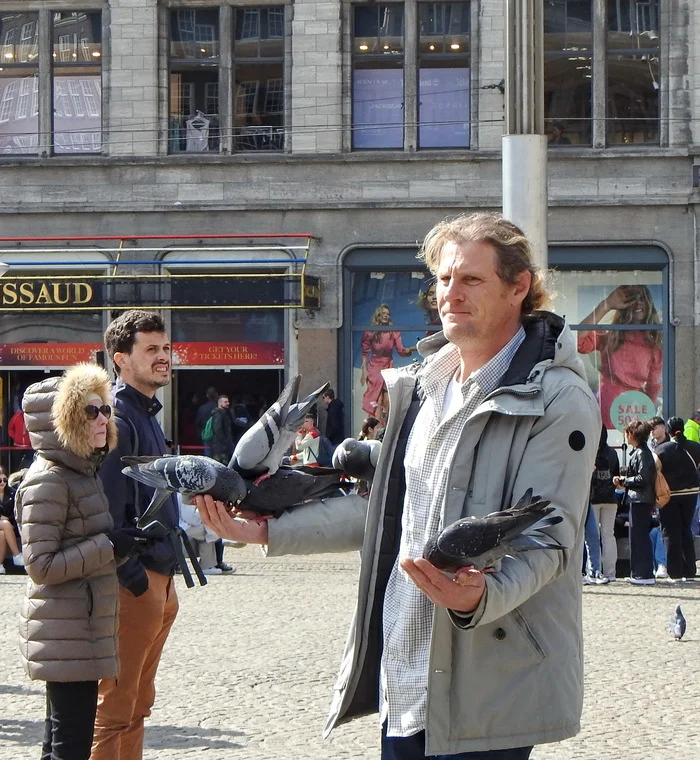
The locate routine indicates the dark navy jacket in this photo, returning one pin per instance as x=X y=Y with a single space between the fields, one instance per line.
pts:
x=141 y=411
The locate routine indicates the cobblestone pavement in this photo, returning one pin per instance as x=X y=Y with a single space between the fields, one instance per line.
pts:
x=249 y=668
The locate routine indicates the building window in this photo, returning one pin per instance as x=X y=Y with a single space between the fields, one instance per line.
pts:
x=377 y=76
x=411 y=85
x=77 y=81
x=568 y=71
x=627 y=109
x=257 y=75
x=258 y=69
x=19 y=77
x=443 y=75
x=633 y=72
x=194 y=80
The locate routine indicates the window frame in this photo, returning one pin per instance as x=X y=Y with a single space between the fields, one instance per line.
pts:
x=599 y=88
x=411 y=72
x=226 y=64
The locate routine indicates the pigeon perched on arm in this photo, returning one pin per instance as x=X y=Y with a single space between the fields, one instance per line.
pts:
x=260 y=449
x=188 y=475
x=358 y=459
x=481 y=542
x=677 y=624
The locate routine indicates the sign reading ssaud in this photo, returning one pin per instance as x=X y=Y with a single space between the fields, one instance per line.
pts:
x=197 y=291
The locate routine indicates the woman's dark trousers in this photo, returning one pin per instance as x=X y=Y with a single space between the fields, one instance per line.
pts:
x=641 y=551
x=675 y=519
x=70 y=720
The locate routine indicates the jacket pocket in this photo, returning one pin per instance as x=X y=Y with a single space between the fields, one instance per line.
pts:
x=90 y=599
x=525 y=629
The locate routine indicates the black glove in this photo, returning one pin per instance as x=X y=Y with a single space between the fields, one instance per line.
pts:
x=139 y=585
x=127 y=541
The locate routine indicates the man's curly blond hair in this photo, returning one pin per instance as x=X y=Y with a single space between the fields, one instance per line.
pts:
x=513 y=250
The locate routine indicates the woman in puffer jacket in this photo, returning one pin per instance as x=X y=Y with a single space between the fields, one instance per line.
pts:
x=68 y=621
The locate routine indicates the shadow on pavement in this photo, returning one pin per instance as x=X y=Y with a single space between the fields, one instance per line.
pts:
x=181 y=737
x=24 y=733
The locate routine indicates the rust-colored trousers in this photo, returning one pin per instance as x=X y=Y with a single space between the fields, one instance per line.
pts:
x=124 y=702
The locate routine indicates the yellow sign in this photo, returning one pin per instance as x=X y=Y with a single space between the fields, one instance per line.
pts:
x=41 y=293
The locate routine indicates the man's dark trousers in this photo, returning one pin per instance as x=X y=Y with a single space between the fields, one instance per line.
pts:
x=413 y=748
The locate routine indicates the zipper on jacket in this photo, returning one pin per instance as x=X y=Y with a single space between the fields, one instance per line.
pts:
x=90 y=599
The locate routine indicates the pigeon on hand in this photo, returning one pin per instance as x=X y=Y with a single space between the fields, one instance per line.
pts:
x=188 y=475
x=676 y=625
x=260 y=449
x=481 y=542
x=358 y=459
x=289 y=487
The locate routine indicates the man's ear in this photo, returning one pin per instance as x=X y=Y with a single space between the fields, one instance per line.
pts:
x=522 y=286
x=119 y=358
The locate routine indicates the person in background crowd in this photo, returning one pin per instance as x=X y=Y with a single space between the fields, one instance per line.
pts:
x=139 y=347
x=17 y=431
x=241 y=419
x=203 y=415
x=68 y=622
x=630 y=360
x=204 y=541
x=222 y=443
x=308 y=442
x=368 y=431
x=593 y=575
x=8 y=537
x=640 y=482
x=335 y=417
x=603 y=502
x=658 y=432
x=452 y=667
x=679 y=467
x=692 y=427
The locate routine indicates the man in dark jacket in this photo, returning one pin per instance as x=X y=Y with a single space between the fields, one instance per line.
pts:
x=203 y=415
x=222 y=443
x=335 y=417
x=139 y=347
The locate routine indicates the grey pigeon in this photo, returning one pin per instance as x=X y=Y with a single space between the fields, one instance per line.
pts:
x=676 y=625
x=260 y=449
x=188 y=475
x=290 y=487
x=481 y=542
x=358 y=459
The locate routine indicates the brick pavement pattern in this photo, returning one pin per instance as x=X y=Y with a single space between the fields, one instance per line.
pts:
x=248 y=671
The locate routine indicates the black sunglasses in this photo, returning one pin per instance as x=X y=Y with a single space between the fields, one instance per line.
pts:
x=3 y=480
x=92 y=411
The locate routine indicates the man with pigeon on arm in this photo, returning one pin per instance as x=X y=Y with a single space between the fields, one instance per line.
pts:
x=483 y=661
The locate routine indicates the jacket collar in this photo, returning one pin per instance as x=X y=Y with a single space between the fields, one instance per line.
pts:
x=125 y=392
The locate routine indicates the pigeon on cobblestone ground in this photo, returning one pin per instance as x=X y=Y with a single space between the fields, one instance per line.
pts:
x=357 y=459
x=260 y=449
x=481 y=542
x=677 y=624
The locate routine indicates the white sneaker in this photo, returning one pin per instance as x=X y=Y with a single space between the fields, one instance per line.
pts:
x=212 y=571
x=2 y=569
x=600 y=579
x=661 y=572
x=588 y=580
x=18 y=560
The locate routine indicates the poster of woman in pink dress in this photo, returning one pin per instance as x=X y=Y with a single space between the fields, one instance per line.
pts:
x=630 y=360
x=378 y=354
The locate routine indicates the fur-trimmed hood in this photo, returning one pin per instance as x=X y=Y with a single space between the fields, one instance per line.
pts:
x=54 y=412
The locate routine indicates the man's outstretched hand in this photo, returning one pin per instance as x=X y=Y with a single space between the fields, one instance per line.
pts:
x=443 y=591
x=225 y=524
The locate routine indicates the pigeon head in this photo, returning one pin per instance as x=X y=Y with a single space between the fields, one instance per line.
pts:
x=230 y=486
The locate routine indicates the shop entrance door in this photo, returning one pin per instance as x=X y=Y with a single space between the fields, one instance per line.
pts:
x=15 y=452
x=255 y=388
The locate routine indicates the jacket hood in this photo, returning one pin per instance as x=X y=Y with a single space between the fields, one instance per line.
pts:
x=54 y=411
x=547 y=339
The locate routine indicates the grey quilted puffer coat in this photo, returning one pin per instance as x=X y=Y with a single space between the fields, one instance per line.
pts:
x=68 y=622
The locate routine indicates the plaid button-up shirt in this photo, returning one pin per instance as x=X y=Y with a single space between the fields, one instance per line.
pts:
x=407 y=611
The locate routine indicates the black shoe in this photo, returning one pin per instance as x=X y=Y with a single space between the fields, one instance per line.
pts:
x=225 y=568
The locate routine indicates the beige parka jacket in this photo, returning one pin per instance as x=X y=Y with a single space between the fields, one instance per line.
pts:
x=68 y=621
